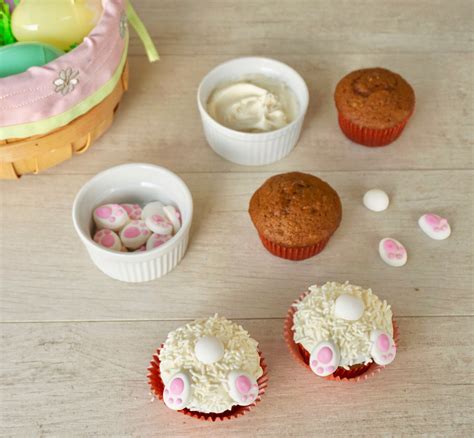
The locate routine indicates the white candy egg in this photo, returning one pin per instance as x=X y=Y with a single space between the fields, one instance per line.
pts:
x=209 y=349
x=376 y=200
x=349 y=307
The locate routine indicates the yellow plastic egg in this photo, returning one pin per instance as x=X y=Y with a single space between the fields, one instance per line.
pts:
x=61 y=23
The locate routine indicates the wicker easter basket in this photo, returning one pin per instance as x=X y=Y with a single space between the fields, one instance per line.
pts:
x=66 y=121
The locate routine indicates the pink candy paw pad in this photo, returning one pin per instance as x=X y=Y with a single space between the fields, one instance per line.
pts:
x=392 y=252
x=111 y=216
x=107 y=239
x=134 y=211
x=243 y=387
x=324 y=359
x=178 y=391
x=383 y=349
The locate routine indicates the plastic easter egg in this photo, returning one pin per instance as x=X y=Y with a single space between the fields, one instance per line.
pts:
x=61 y=23
x=19 y=57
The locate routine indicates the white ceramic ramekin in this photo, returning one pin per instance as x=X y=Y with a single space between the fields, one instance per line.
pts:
x=137 y=183
x=252 y=149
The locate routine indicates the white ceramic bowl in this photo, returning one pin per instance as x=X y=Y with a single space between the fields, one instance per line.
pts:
x=252 y=149
x=140 y=183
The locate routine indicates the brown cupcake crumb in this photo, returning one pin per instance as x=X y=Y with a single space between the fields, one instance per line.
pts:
x=374 y=98
x=295 y=209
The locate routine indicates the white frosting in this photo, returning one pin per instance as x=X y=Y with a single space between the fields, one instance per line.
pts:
x=376 y=200
x=315 y=321
x=210 y=383
x=255 y=104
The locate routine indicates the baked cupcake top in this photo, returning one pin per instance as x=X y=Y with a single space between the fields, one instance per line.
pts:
x=342 y=325
x=374 y=98
x=209 y=366
x=295 y=209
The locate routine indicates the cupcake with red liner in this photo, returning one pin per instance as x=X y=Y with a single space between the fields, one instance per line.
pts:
x=374 y=105
x=341 y=332
x=210 y=369
x=295 y=214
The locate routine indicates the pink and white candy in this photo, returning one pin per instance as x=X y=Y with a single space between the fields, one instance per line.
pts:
x=108 y=239
x=134 y=211
x=435 y=226
x=135 y=234
x=177 y=392
x=159 y=224
x=156 y=240
x=152 y=208
x=324 y=358
x=243 y=388
x=383 y=349
x=392 y=252
x=174 y=216
x=110 y=216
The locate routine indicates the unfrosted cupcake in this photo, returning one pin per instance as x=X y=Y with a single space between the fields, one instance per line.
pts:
x=209 y=369
x=374 y=105
x=295 y=214
x=341 y=331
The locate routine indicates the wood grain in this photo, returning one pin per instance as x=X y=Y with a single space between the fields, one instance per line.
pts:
x=75 y=345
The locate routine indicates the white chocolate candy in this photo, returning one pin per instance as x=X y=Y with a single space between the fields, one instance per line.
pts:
x=435 y=226
x=152 y=208
x=134 y=211
x=174 y=216
x=392 y=252
x=376 y=200
x=383 y=349
x=110 y=216
x=135 y=234
x=142 y=248
x=324 y=358
x=209 y=349
x=178 y=391
x=348 y=307
x=159 y=224
x=156 y=240
x=108 y=239
x=243 y=388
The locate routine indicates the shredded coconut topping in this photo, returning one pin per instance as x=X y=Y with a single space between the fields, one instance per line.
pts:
x=210 y=388
x=314 y=321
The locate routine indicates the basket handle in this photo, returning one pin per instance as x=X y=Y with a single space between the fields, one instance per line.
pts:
x=140 y=29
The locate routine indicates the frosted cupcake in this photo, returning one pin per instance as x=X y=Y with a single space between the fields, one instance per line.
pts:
x=341 y=331
x=209 y=369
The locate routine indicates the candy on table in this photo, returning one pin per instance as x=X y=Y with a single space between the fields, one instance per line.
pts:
x=159 y=224
x=435 y=226
x=392 y=252
x=376 y=200
x=156 y=240
x=110 y=216
x=135 y=234
x=152 y=208
x=108 y=239
x=61 y=23
x=174 y=216
x=134 y=211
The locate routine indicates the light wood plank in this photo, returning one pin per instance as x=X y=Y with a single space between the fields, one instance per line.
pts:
x=89 y=379
x=158 y=119
x=227 y=27
x=50 y=277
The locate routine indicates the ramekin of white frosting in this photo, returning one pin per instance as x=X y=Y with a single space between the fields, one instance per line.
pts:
x=252 y=109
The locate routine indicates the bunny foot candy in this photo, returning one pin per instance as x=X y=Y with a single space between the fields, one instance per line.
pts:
x=392 y=252
x=153 y=208
x=110 y=216
x=135 y=234
x=383 y=348
x=435 y=226
x=134 y=211
x=178 y=391
x=159 y=224
x=324 y=359
x=243 y=387
x=174 y=216
x=156 y=240
x=108 y=239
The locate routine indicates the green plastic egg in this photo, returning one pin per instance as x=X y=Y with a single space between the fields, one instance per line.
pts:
x=19 y=57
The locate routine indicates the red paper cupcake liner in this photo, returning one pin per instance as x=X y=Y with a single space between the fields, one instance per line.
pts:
x=294 y=253
x=369 y=136
x=355 y=374
x=157 y=386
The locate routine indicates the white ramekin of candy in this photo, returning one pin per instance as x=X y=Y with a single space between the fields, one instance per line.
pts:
x=134 y=221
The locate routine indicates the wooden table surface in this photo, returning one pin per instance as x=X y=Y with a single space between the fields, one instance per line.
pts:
x=75 y=345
